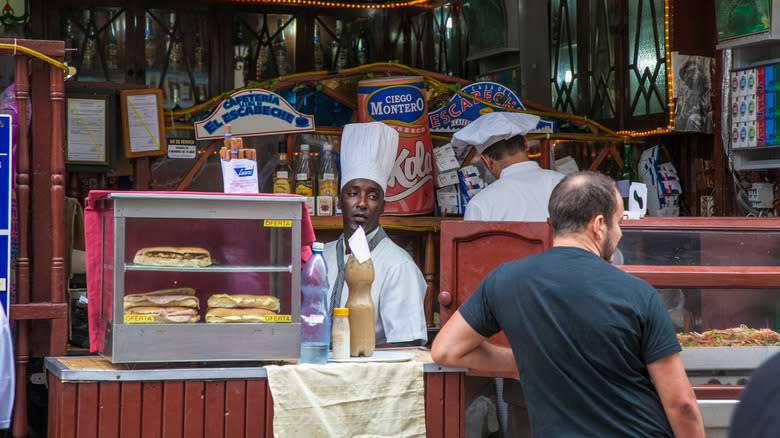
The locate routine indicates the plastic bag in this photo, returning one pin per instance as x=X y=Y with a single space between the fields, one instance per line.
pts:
x=239 y=176
x=663 y=184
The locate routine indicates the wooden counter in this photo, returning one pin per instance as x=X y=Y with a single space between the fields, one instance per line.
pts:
x=91 y=397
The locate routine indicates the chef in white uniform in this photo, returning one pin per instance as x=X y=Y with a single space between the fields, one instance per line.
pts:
x=523 y=188
x=368 y=152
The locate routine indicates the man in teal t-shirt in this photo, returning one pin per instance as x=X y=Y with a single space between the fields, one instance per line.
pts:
x=594 y=347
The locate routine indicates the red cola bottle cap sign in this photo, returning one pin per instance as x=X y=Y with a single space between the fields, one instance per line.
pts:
x=399 y=102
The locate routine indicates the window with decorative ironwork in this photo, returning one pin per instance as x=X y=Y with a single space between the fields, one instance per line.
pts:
x=98 y=37
x=610 y=62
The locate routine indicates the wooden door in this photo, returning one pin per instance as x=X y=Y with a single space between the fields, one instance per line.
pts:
x=471 y=250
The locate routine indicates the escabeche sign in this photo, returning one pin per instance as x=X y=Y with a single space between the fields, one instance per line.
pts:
x=253 y=112
x=460 y=111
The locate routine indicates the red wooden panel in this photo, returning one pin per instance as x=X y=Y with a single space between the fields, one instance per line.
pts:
x=434 y=405
x=130 y=410
x=67 y=423
x=194 y=394
x=718 y=392
x=108 y=409
x=235 y=404
x=269 y=412
x=470 y=250
x=87 y=418
x=215 y=409
x=55 y=405
x=173 y=409
x=151 y=409
x=255 y=408
x=454 y=405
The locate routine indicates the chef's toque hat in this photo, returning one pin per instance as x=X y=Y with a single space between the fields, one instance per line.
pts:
x=368 y=151
x=494 y=127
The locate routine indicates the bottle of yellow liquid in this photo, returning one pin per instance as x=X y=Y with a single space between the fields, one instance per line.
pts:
x=304 y=178
x=283 y=177
x=328 y=181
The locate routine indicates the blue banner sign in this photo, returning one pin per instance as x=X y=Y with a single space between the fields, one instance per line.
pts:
x=5 y=210
x=253 y=112
x=461 y=111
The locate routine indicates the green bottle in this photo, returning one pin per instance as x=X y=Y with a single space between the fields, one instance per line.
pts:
x=626 y=176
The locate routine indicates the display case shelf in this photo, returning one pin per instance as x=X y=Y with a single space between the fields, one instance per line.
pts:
x=287 y=268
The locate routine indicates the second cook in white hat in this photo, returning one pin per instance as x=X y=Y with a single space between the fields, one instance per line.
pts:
x=523 y=188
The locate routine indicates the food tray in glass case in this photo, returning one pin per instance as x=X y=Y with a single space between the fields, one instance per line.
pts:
x=200 y=277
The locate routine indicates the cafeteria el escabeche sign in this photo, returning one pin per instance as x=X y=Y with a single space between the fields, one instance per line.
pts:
x=253 y=112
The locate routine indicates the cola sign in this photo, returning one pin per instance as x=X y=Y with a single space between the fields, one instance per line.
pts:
x=400 y=103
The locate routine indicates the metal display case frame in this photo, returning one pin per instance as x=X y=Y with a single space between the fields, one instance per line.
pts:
x=202 y=341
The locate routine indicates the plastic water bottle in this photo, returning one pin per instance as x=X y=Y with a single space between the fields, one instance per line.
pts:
x=315 y=322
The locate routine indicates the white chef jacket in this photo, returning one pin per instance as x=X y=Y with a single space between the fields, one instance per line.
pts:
x=398 y=291
x=6 y=372
x=520 y=194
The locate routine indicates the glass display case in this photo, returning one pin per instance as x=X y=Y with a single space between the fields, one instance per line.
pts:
x=713 y=274
x=200 y=277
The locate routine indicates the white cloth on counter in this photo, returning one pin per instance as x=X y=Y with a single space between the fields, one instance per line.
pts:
x=348 y=400
x=520 y=194
x=398 y=292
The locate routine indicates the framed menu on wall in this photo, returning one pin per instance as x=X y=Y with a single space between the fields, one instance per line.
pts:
x=91 y=130
x=142 y=122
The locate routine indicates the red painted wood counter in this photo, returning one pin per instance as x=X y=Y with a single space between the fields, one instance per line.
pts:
x=91 y=397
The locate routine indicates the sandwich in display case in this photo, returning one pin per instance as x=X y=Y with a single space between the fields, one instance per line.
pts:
x=188 y=277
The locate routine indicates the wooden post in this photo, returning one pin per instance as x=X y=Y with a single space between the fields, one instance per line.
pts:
x=430 y=277
x=23 y=258
x=58 y=336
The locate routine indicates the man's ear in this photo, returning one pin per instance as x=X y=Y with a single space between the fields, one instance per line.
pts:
x=596 y=225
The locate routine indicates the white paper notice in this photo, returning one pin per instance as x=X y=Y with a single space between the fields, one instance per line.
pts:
x=142 y=123
x=87 y=130
x=359 y=245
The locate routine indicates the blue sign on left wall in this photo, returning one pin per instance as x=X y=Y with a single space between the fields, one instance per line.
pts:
x=5 y=210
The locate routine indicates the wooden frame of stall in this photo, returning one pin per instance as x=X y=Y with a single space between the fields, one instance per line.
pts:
x=40 y=193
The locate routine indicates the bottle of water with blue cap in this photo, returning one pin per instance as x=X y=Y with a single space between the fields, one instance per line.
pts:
x=315 y=322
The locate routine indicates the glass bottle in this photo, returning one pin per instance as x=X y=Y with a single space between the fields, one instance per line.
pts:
x=626 y=176
x=338 y=53
x=362 y=49
x=150 y=49
x=281 y=50
x=112 y=60
x=315 y=323
x=69 y=38
x=283 y=173
x=176 y=49
x=328 y=176
x=304 y=181
x=319 y=52
x=88 y=58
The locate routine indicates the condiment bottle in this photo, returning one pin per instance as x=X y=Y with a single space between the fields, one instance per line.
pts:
x=283 y=175
x=328 y=182
x=359 y=277
x=340 y=334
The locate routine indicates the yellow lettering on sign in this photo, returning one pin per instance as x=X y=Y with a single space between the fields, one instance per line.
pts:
x=277 y=223
x=277 y=318
x=134 y=319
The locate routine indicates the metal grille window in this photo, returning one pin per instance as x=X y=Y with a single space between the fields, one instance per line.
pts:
x=608 y=59
x=563 y=43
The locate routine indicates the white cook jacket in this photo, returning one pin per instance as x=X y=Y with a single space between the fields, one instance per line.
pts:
x=520 y=194
x=7 y=389
x=398 y=292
